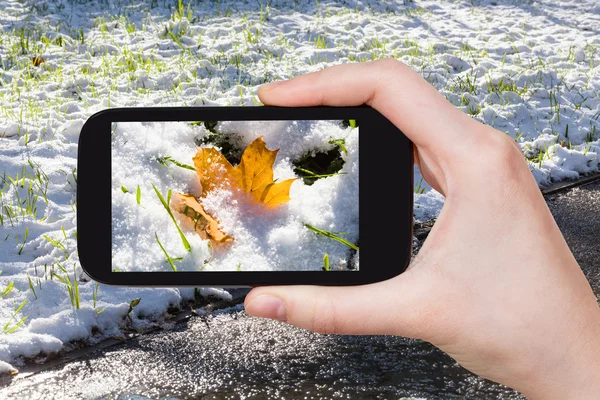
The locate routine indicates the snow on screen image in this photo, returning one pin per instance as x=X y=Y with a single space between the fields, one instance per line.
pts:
x=235 y=196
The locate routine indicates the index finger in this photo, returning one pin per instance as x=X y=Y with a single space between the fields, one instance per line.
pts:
x=400 y=94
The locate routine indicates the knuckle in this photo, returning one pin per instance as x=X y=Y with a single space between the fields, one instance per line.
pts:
x=388 y=63
x=499 y=152
x=386 y=70
x=503 y=171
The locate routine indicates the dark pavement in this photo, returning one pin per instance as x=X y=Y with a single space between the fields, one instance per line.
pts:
x=233 y=356
x=577 y=213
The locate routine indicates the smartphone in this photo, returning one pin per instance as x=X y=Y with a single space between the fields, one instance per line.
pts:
x=243 y=196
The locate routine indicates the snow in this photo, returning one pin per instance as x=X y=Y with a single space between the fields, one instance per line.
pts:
x=6 y=368
x=530 y=69
x=264 y=239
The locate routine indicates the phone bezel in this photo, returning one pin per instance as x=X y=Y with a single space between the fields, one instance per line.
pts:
x=385 y=197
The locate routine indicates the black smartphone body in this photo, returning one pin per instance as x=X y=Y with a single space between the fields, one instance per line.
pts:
x=243 y=196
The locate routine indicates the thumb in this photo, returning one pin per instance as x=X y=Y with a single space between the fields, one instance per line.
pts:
x=395 y=306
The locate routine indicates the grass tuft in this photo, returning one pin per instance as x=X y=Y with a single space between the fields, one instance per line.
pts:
x=7 y=328
x=72 y=285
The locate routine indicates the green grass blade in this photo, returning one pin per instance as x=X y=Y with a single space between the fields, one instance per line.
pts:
x=58 y=245
x=316 y=176
x=75 y=287
x=169 y=259
x=31 y=286
x=164 y=160
x=18 y=325
x=176 y=40
x=60 y=278
x=8 y=289
x=332 y=235
x=21 y=306
x=95 y=294
x=24 y=240
x=185 y=242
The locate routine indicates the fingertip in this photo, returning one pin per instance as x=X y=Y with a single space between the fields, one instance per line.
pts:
x=266 y=306
x=267 y=93
x=263 y=95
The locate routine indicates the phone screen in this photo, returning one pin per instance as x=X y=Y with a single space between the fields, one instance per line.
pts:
x=235 y=196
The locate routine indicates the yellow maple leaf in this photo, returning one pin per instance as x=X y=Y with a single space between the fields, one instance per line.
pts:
x=254 y=173
x=212 y=169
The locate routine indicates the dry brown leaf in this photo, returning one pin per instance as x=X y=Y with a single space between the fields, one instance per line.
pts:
x=37 y=61
x=198 y=219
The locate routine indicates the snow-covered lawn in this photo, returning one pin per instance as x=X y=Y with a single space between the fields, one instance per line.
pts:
x=529 y=68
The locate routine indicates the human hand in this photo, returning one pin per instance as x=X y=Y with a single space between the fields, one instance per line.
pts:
x=495 y=285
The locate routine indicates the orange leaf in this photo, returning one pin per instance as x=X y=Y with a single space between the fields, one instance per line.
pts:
x=212 y=169
x=277 y=193
x=254 y=175
x=198 y=219
x=256 y=167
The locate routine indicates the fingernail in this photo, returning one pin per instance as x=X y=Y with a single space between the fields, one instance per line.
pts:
x=266 y=306
x=272 y=85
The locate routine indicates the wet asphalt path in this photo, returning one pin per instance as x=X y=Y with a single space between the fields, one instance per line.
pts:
x=577 y=213
x=229 y=355
x=233 y=356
